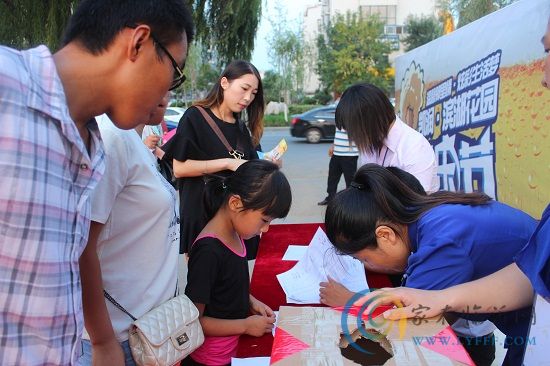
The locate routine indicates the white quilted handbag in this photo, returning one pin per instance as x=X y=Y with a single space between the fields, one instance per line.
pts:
x=166 y=334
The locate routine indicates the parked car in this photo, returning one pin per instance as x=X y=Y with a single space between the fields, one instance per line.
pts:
x=315 y=125
x=172 y=117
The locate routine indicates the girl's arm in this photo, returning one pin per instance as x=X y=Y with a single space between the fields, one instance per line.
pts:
x=197 y=168
x=506 y=290
x=255 y=325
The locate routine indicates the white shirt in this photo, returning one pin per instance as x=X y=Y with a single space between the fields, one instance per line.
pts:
x=407 y=149
x=138 y=246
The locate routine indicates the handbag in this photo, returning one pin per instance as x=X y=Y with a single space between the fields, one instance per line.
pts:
x=165 y=335
x=167 y=171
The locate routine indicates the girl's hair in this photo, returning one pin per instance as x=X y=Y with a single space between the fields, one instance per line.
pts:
x=378 y=197
x=254 y=111
x=366 y=113
x=259 y=183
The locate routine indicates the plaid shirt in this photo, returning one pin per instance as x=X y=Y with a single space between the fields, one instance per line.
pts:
x=46 y=176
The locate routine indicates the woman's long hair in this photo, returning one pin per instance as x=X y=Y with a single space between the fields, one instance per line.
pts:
x=366 y=113
x=378 y=197
x=260 y=184
x=254 y=111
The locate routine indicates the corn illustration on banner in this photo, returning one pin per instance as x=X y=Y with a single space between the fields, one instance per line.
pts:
x=476 y=95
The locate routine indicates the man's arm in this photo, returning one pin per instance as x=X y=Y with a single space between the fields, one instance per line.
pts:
x=105 y=348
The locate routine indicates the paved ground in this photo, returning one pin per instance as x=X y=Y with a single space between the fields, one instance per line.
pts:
x=306 y=167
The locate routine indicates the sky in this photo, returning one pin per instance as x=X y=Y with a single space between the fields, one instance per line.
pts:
x=295 y=10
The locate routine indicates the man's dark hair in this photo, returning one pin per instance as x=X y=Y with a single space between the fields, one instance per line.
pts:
x=95 y=23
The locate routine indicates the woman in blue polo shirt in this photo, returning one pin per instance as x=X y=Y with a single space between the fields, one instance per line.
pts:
x=509 y=289
x=438 y=241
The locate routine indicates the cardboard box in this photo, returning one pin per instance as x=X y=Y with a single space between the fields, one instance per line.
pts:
x=315 y=336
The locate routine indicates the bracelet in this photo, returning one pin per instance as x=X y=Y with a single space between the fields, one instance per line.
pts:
x=205 y=171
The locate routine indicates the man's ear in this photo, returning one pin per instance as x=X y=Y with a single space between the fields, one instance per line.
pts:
x=235 y=203
x=137 y=39
x=385 y=235
x=224 y=83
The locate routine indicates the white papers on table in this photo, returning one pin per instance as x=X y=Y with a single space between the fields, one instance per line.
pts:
x=301 y=283
x=251 y=361
x=294 y=252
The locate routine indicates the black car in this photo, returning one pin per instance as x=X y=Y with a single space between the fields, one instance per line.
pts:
x=314 y=125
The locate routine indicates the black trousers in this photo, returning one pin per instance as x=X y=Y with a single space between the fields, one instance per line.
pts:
x=339 y=165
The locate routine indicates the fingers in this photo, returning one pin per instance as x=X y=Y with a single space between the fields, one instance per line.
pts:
x=270 y=313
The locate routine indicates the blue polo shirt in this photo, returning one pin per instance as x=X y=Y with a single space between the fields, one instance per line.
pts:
x=453 y=244
x=534 y=258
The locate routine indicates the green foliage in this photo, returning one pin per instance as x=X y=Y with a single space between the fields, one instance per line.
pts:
x=275 y=120
x=353 y=51
x=29 y=23
x=320 y=97
x=469 y=10
x=301 y=108
x=272 y=83
x=227 y=26
x=287 y=51
x=421 y=31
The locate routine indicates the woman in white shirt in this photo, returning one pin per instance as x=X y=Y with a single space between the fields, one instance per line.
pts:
x=382 y=137
x=135 y=232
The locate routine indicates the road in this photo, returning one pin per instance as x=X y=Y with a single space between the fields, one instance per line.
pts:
x=306 y=167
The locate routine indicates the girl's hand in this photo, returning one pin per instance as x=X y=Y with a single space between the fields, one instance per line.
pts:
x=234 y=164
x=259 y=308
x=408 y=302
x=258 y=325
x=151 y=141
x=334 y=294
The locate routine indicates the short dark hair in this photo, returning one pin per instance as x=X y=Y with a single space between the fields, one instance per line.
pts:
x=95 y=23
x=379 y=197
x=366 y=113
x=255 y=110
x=260 y=184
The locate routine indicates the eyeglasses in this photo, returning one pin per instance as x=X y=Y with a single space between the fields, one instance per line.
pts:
x=179 y=77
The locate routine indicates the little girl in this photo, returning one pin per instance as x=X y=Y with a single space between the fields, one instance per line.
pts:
x=438 y=241
x=239 y=207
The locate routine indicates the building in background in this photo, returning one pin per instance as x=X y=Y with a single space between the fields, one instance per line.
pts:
x=393 y=14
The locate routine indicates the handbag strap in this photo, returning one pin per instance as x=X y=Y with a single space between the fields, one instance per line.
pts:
x=121 y=308
x=234 y=153
x=113 y=301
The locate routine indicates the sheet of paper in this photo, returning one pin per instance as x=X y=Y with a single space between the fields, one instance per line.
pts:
x=295 y=252
x=301 y=283
x=251 y=361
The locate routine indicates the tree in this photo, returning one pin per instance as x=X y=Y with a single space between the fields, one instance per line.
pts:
x=421 y=30
x=227 y=26
x=469 y=10
x=286 y=53
x=352 y=51
x=271 y=83
x=28 y=23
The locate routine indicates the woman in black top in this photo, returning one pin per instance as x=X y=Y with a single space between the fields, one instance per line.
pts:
x=196 y=150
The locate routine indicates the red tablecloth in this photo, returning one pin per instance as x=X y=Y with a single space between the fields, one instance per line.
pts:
x=264 y=284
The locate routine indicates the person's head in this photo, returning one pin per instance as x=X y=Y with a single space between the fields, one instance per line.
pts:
x=239 y=87
x=546 y=44
x=158 y=114
x=369 y=220
x=255 y=194
x=366 y=113
x=141 y=44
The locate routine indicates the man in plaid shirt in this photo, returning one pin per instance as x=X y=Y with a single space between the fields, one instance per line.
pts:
x=119 y=58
